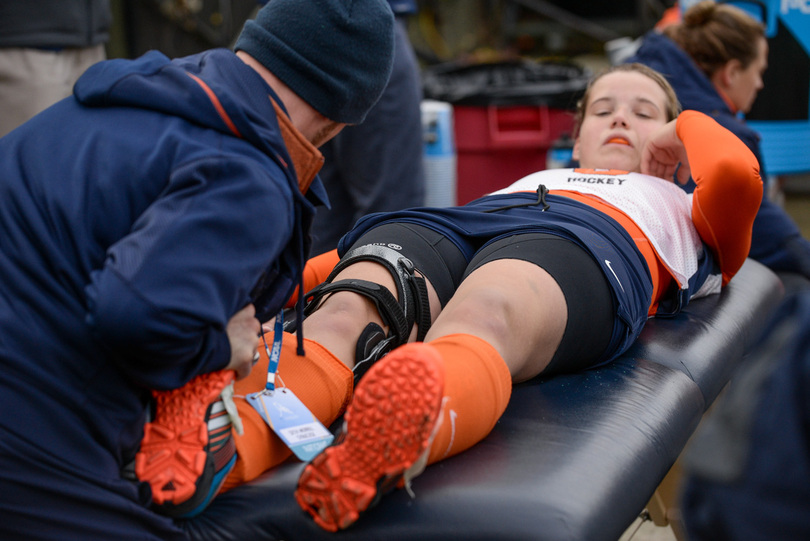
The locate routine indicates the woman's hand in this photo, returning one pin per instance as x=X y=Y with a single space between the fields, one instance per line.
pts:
x=243 y=333
x=663 y=152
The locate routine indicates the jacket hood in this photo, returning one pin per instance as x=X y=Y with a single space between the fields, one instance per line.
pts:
x=214 y=89
x=693 y=88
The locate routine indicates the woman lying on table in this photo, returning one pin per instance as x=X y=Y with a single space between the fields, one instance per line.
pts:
x=452 y=306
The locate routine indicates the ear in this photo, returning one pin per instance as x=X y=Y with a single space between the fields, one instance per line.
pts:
x=575 y=150
x=729 y=72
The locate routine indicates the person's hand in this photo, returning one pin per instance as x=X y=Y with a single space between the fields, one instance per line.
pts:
x=663 y=152
x=243 y=333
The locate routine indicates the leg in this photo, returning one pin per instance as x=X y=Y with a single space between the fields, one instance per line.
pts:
x=515 y=306
x=508 y=321
x=34 y=79
x=530 y=304
x=340 y=317
x=331 y=333
x=319 y=379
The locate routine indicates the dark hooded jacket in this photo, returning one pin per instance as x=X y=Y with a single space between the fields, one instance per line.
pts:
x=776 y=240
x=136 y=218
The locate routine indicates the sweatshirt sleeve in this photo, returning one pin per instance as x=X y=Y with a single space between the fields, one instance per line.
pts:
x=728 y=189
x=161 y=301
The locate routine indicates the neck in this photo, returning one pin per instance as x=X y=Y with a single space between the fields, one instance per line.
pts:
x=716 y=83
x=728 y=101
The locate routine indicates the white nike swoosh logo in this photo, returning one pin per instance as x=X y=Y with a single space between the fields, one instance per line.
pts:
x=452 y=414
x=614 y=274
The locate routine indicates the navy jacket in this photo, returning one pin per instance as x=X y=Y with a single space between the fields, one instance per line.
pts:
x=134 y=223
x=776 y=240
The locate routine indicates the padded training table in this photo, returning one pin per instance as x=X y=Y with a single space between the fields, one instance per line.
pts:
x=574 y=457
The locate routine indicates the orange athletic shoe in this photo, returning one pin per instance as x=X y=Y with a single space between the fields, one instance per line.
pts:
x=387 y=433
x=188 y=449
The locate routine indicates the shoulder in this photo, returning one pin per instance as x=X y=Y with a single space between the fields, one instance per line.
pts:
x=655 y=49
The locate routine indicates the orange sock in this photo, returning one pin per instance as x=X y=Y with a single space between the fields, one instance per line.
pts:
x=319 y=379
x=477 y=387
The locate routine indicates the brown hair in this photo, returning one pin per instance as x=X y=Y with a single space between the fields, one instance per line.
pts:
x=673 y=106
x=713 y=34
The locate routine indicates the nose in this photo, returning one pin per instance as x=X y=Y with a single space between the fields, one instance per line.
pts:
x=619 y=118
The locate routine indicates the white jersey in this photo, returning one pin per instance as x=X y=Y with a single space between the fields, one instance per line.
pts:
x=662 y=211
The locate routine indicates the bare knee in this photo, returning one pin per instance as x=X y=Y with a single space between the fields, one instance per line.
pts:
x=515 y=306
x=338 y=322
x=484 y=312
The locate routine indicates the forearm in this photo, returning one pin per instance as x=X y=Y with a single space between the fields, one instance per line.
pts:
x=157 y=346
x=728 y=188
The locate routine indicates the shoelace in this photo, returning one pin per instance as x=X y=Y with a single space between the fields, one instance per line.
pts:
x=230 y=406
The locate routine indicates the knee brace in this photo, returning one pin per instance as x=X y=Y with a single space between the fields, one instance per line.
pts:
x=400 y=316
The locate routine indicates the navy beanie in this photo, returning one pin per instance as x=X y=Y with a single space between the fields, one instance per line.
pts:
x=335 y=54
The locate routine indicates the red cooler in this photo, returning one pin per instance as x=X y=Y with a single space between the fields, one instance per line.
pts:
x=506 y=117
x=498 y=145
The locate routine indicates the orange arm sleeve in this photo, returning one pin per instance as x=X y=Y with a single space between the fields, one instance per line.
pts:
x=728 y=192
x=316 y=271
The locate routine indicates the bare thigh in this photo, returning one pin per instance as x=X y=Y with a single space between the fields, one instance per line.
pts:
x=514 y=305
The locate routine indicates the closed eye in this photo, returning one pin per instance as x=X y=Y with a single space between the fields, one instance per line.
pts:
x=646 y=110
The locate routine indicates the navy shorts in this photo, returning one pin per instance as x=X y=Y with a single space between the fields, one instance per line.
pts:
x=455 y=235
x=587 y=293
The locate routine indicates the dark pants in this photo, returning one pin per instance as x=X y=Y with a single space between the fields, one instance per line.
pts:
x=748 y=469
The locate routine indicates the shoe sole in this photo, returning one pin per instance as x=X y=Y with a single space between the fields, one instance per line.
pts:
x=388 y=428
x=174 y=457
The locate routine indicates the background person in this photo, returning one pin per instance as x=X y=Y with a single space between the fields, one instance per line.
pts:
x=377 y=166
x=747 y=470
x=45 y=45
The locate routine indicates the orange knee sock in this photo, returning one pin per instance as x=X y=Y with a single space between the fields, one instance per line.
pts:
x=477 y=387
x=319 y=379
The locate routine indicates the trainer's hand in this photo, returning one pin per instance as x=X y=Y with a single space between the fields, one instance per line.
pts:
x=243 y=333
x=663 y=152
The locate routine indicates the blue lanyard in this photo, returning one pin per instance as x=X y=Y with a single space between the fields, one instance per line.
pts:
x=274 y=355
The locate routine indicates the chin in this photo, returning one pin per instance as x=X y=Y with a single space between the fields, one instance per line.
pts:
x=620 y=165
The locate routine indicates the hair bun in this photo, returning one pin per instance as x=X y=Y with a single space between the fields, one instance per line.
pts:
x=700 y=14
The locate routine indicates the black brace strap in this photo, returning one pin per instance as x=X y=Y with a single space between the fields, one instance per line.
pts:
x=387 y=305
x=413 y=306
x=371 y=347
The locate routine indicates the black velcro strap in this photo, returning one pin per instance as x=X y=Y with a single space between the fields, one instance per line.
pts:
x=387 y=305
x=398 y=265
x=412 y=290
x=422 y=306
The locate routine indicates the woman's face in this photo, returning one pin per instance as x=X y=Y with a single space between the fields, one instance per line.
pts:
x=624 y=108
x=743 y=85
